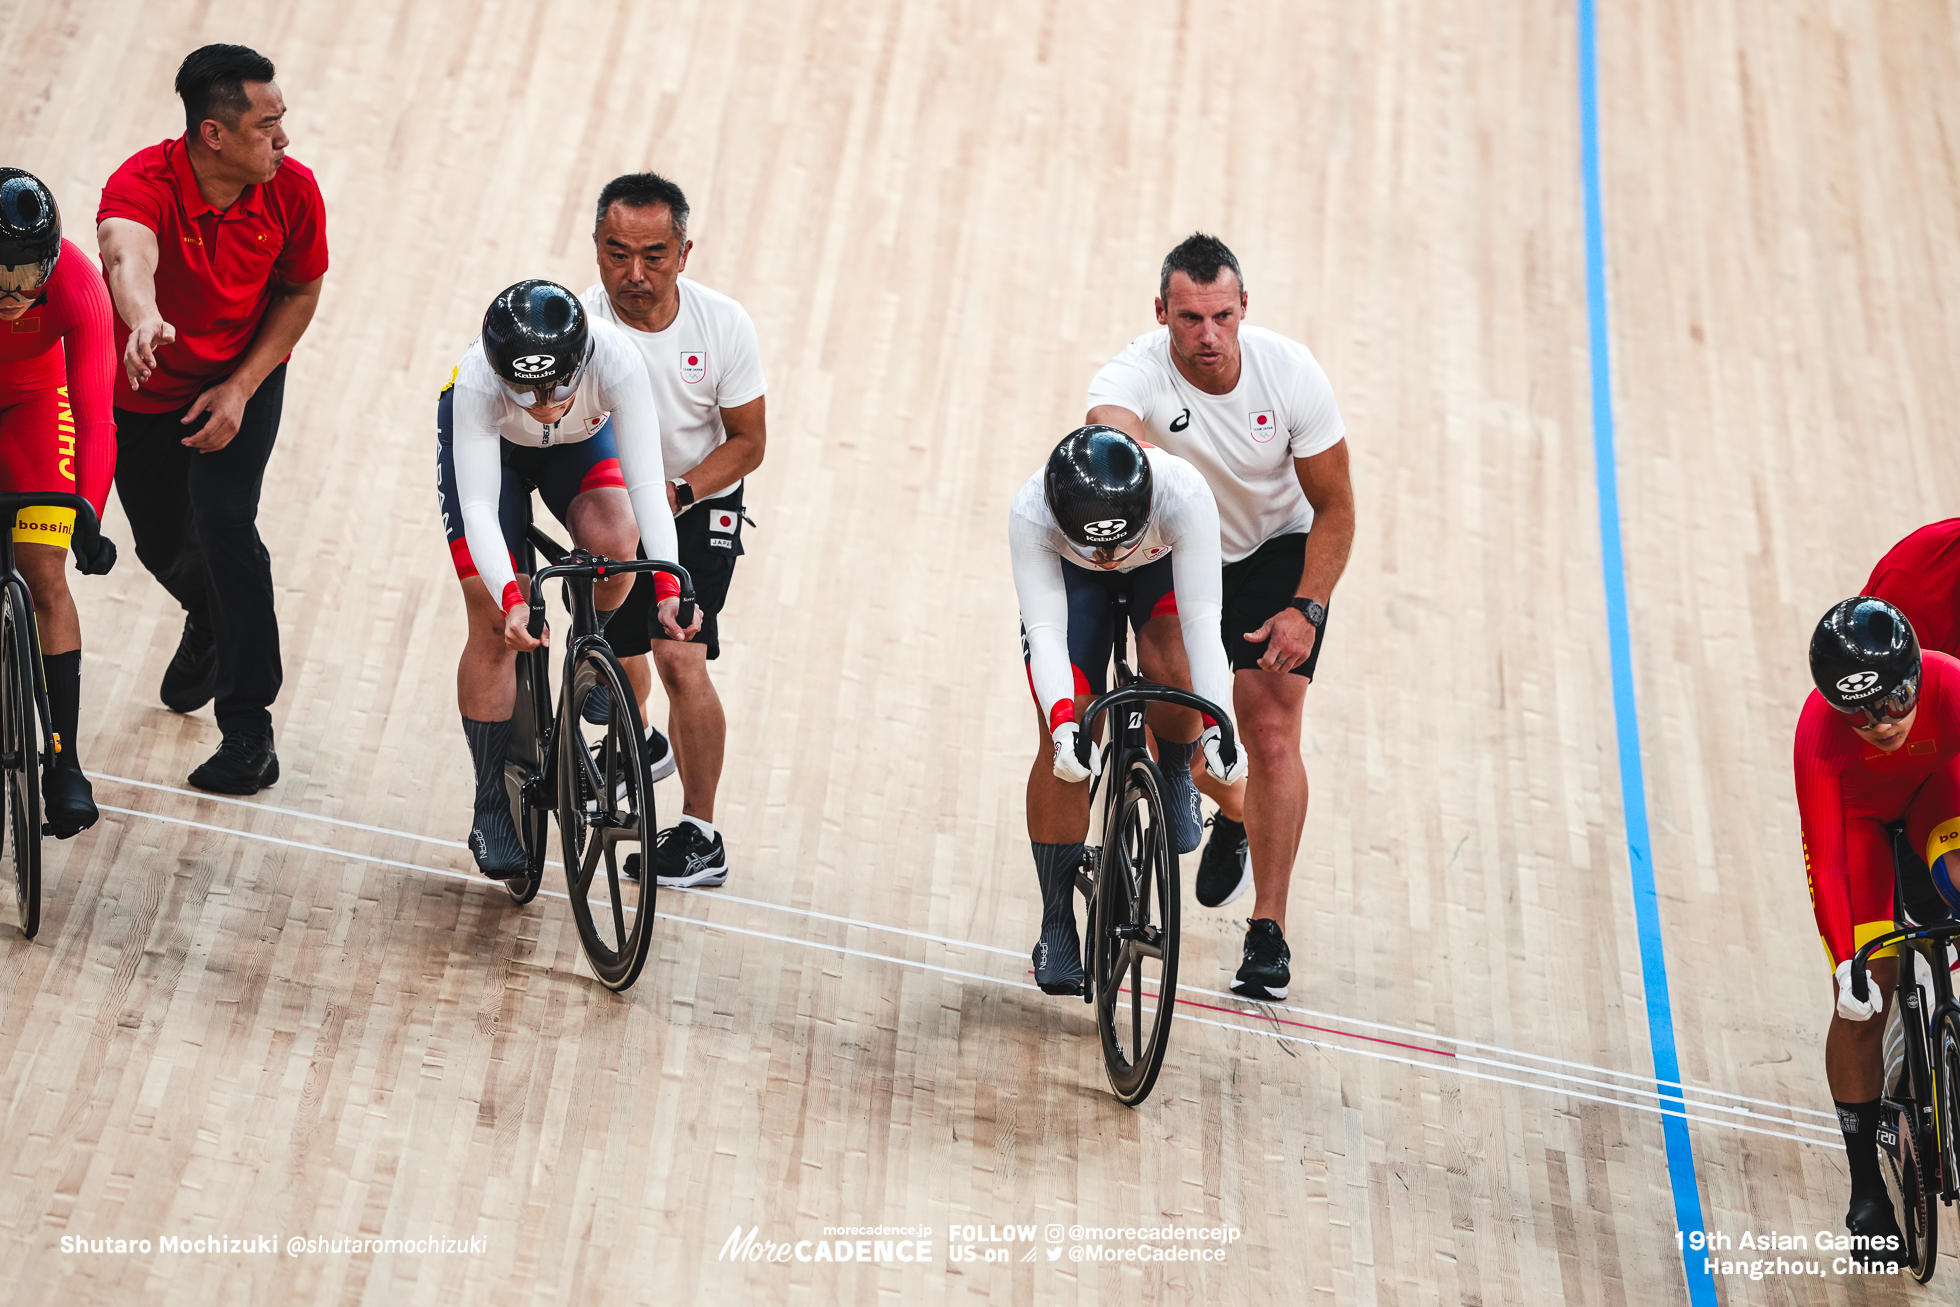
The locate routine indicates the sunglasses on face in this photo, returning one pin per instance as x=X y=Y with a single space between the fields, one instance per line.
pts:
x=22 y=281
x=550 y=391
x=1890 y=708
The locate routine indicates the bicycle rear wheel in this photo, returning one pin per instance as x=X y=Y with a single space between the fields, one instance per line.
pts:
x=20 y=747
x=605 y=801
x=1137 y=929
x=524 y=772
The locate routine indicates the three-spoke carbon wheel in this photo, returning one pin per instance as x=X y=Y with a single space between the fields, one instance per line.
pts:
x=605 y=812
x=1136 y=927
x=20 y=739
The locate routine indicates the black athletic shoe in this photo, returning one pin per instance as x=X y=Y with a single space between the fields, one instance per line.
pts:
x=1182 y=809
x=243 y=764
x=1058 y=961
x=660 y=754
x=1264 y=974
x=494 y=844
x=598 y=705
x=684 y=858
x=1872 y=1220
x=1225 y=870
x=192 y=677
x=68 y=801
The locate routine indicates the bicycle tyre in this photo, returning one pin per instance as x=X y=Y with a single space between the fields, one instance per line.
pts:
x=605 y=800
x=524 y=772
x=1903 y=1141
x=20 y=739
x=1137 y=924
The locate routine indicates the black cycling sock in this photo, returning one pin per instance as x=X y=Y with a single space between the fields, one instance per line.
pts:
x=1859 y=1121
x=489 y=742
x=64 y=673
x=1175 y=757
x=1055 y=864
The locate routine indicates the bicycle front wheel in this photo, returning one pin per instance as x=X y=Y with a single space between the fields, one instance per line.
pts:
x=1908 y=1161
x=605 y=812
x=1137 y=928
x=524 y=773
x=20 y=747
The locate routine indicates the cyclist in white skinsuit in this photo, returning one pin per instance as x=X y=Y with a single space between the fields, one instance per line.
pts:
x=1106 y=517
x=544 y=399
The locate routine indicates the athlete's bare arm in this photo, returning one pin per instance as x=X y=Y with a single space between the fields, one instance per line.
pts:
x=731 y=460
x=1115 y=415
x=129 y=261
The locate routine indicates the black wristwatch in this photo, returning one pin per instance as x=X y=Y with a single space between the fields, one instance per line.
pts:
x=683 y=492
x=1313 y=610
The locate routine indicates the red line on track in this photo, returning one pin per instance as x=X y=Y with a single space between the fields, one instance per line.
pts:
x=1302 y=1025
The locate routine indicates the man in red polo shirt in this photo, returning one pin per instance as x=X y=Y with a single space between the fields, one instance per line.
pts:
x=1920 y=576
x=214 y=246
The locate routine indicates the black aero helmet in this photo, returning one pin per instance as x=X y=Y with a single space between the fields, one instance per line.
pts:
x=30 y=223
x=1098 y=486
x=1864 y=658
x=536 y=336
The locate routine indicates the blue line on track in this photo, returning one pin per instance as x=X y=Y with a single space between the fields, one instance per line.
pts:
x=1633 y=786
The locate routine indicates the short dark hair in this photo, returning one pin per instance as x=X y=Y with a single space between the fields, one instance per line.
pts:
x=1201 y=258
x=643 y=190
x=211 y=81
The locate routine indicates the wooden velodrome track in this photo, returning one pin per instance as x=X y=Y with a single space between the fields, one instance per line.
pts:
x=243 y=1020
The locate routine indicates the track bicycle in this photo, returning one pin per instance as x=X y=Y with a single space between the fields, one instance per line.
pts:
x=1919 y=1107
x=598 y=787
x=1129 y=876
x=26 y=729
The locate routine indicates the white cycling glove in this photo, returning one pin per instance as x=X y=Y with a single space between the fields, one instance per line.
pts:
x=1212 y=742
x=1848 y=1005
x=1067 y=765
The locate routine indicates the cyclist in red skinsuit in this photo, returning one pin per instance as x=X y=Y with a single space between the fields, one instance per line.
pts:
x=1878 y=744
x=57 y=433
x=1920 y=576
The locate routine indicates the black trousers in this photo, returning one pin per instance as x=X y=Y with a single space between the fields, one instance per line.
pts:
x=195 y=521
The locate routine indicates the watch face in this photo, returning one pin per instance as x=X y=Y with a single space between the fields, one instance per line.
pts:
x=1314 y=612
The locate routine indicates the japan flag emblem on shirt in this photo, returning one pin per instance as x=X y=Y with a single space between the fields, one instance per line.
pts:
x=694 y=365
x=722 y=520
x=1263 y=426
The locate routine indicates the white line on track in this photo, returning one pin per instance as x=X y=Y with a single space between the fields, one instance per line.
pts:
x=1826 y=1133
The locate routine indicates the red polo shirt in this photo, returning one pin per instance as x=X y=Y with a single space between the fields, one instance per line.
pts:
x=215 y=270
x=1920 y=576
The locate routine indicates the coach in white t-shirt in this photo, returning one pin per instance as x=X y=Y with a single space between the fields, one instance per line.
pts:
x=1252 y=411
x=706 y=369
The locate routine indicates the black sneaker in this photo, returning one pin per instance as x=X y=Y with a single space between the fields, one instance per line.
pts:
x=243 y=764
x=683 y=857
x=1058 y=961
x=660 y=754
x=1182 y=809
x=494 y=844
x=1264 y=974
x=192 y=677
x=68 y=801
x=1872 y=1220
x=1225 y=870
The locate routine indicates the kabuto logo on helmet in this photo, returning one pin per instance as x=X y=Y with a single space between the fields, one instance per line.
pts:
x=535 y=365
x=1109 y=528
x=1857 y=683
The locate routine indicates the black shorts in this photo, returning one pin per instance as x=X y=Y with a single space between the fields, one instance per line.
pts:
x=1091 y=636
x=710 y=535
x=1256 y=587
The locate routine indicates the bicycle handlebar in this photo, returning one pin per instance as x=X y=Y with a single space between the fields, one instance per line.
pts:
x=1150 y=692
x=87 y=524
x=578 y=563
x=1860 y=990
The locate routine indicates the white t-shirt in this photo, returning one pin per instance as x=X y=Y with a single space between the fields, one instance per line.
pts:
x=705 y=361
x=1183 y=523
x=1234 y=439
x=484 y=415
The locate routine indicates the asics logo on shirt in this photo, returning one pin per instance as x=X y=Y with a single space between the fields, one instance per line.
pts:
x=1181 y=421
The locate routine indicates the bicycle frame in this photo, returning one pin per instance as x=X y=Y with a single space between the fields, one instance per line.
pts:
x=1923 y=945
